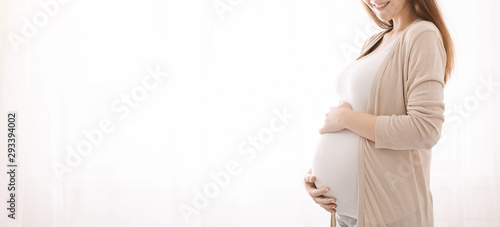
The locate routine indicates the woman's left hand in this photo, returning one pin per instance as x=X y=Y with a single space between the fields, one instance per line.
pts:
x=333 y=120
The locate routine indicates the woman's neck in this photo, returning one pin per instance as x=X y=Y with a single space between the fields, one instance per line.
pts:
x=403 y=20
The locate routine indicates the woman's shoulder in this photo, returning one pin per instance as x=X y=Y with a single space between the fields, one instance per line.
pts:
x=410 y=35
x=422 y=25
x=418 y=28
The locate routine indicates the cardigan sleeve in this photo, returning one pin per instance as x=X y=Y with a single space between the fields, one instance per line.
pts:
x=420 y=127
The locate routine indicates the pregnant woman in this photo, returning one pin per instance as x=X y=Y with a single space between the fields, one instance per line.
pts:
x=353 y=87
x=372 y=163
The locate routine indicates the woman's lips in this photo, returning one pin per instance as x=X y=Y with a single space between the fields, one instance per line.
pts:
x=381 y=6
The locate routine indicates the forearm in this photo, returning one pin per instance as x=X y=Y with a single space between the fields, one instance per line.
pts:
x=360 y=123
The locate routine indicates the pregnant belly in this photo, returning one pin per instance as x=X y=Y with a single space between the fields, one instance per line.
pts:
x=335 y=166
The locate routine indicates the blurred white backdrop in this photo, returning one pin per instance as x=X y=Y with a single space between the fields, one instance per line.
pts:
x=206 y=113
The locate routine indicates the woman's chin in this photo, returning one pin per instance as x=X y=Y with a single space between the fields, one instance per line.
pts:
x=384 y=18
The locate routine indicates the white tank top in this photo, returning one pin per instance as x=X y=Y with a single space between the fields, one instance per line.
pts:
x=355 y=81
x=335 y=163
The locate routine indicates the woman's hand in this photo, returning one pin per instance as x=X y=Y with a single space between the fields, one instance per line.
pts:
x=334 y=118
x=317 y=193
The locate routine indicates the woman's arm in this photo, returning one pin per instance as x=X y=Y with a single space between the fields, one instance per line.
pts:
x=420 y=127
x=360 y=123
x=343 y=117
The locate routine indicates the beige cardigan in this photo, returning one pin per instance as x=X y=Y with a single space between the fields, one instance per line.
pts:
x=407 y=97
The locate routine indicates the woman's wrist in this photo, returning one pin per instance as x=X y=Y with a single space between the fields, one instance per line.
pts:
x=360 y=123
x=345 y=117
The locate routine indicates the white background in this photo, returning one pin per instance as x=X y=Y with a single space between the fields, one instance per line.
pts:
x=228 y=73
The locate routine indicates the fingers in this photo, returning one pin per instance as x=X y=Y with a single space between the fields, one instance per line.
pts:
x=315 y=192
x=324 y=200
x=310 y=186
x=309 y=178
x=309 y=182
x=327 y=203
x=346 y=105
x=317 y=195
x=330 y=208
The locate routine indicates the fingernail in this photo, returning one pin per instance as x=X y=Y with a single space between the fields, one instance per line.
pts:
x=333 y=201
x=327 y=189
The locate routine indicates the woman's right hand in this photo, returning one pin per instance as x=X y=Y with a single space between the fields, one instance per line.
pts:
x=327 y=203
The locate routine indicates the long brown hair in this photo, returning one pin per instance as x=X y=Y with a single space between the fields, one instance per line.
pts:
x=429 y=11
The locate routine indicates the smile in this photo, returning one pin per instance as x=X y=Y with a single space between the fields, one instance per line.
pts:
x=381 y=6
